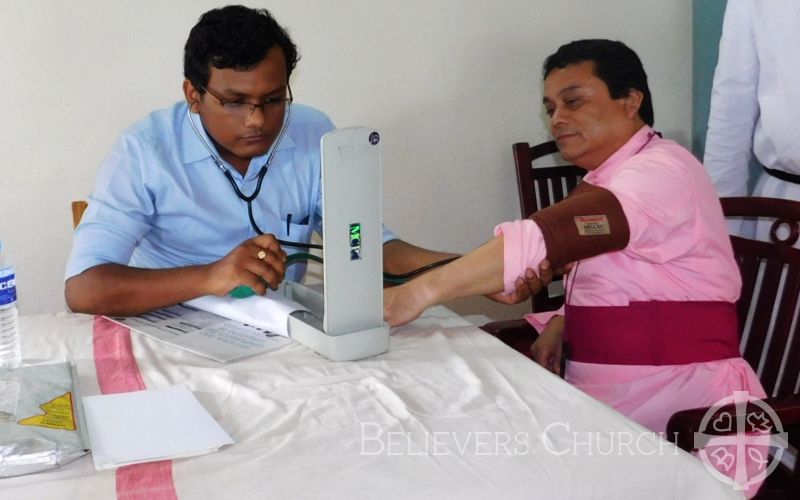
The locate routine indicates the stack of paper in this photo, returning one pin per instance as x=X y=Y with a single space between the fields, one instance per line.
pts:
x=147 y=426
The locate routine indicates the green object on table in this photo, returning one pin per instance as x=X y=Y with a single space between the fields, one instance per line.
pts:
x=242 y=292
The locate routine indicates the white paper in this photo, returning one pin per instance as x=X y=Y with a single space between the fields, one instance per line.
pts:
x=201 y=332
x=147 y=426
x=270 y=312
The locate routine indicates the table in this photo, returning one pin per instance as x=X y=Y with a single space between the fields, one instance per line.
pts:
x=448 y=412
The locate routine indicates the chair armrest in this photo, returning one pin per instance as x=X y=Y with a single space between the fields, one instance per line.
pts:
x=683 y=424
x=516 y=333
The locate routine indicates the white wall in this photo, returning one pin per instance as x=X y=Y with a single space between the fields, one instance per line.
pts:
x=450 y=83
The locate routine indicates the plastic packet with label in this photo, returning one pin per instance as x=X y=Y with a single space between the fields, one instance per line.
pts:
x=41 y=420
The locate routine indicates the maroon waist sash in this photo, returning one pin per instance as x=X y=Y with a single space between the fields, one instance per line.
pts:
x=652 y=333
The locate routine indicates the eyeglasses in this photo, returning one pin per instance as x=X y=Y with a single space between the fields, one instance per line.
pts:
x=240 y=109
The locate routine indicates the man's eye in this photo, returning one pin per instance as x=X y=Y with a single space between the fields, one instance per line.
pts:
x=549 y=111
x=572 y=102
x=233 y=105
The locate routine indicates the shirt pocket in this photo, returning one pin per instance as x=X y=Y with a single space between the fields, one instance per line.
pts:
x=296 y=232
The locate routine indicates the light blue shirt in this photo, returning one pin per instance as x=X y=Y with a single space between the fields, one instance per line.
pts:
x=160 y=201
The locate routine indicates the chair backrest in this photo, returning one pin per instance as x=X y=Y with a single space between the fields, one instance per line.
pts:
x=768 y=306
x=78 y=207
x=540 y=187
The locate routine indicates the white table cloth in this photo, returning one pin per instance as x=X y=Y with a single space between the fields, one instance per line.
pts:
x=448 y=412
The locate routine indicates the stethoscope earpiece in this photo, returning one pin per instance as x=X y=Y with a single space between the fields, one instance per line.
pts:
x=270 y=154
x=261 y=174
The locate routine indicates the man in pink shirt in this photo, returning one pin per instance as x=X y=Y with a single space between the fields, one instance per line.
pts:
x=649 y=312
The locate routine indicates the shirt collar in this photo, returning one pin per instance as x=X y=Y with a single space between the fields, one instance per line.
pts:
x=636 y=143
x=193 y=149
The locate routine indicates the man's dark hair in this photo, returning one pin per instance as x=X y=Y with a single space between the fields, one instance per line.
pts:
x=233 y=37
x=614 y=63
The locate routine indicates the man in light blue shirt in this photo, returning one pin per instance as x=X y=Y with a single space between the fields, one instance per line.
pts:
x=193 y=199
x=160 y=201
x=165 y=223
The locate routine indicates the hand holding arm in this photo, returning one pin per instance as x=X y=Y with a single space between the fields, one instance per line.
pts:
x=552 y=234
x=526 y=286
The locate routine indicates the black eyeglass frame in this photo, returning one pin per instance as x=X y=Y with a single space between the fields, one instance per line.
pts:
x=233 y=107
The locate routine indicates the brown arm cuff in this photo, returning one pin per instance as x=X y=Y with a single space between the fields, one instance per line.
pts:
x=588 y=222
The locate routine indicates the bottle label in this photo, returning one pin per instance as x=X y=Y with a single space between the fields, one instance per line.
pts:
x=8 y=290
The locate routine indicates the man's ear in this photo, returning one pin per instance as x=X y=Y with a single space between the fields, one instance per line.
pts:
x=632 y=102
x=192 y=96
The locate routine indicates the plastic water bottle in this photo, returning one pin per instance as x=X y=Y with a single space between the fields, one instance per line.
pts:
x=10 y=352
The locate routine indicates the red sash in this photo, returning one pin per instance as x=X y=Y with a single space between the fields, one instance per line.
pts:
x=653 y=333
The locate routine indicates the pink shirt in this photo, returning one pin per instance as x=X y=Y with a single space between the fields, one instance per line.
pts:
x=678 y=250
x=679 y=247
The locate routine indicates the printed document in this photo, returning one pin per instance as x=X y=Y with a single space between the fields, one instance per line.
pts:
x=220 y=328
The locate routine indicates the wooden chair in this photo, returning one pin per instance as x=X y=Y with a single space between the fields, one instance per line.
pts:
x=515 y=333
x=540 y=187
x=769 y=322
x=769 y=325
x=78 y=207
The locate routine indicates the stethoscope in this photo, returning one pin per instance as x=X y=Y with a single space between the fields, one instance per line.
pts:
x=261 y=174
x=391 y=278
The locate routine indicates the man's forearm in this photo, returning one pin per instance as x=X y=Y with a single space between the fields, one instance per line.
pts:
x=114 y=289
x=479 y=272
x=121 y=290
x=400 y=257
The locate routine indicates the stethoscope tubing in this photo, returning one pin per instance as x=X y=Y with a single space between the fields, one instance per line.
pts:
x=261 y=174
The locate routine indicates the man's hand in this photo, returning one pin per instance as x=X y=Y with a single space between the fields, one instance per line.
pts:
x=405 y=303
x=531 y=284
x=548 y=347
x=258 y=262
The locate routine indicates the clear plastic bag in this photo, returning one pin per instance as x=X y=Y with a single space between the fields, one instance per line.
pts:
x=41 y=422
